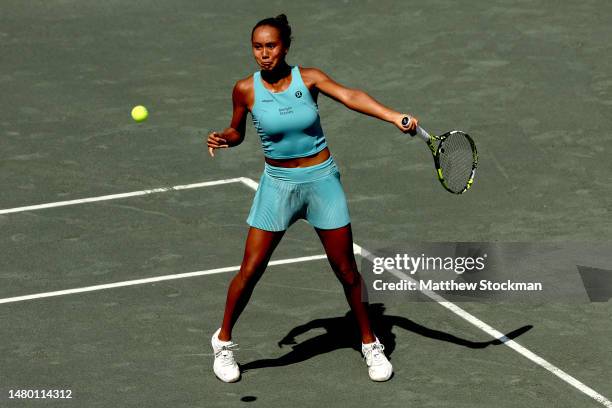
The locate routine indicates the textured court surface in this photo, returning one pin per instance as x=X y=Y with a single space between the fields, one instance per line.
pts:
x=529 y=80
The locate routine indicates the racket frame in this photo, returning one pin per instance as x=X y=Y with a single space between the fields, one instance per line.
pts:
x=431 y=141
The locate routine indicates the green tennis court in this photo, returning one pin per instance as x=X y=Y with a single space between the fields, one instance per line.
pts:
x=119 y=238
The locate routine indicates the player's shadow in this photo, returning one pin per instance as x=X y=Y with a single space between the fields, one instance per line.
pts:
x=341 y=332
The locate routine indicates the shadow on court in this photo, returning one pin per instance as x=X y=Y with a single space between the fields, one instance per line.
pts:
x=342 y=332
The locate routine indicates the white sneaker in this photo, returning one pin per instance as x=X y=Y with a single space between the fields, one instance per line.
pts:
x=225 y=367
x=379 y=368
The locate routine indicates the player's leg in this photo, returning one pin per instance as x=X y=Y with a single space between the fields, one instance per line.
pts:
x=271 y=214
x=328 y=212
x=258 y=249
x=338 y=244
x=257 y=252
x=273 y=210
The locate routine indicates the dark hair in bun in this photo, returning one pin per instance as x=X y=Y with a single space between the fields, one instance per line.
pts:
x=281 y=24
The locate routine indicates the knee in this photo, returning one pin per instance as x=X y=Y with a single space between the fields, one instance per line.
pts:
x=249 y=273
x=348 y=274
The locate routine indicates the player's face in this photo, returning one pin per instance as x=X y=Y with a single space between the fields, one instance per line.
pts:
x=268 y=49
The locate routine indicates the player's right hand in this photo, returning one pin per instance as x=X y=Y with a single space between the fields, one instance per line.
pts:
x=409 y=127
x=215 y=141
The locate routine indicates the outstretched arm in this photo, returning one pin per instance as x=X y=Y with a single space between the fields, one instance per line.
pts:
x=360 y=101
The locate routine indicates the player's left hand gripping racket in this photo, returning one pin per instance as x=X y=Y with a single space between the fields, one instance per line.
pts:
x=455 y=157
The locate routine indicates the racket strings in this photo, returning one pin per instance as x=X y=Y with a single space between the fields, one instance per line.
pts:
x=456 y=161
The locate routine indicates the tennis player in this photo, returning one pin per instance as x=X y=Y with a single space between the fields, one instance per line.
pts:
x=300 y=180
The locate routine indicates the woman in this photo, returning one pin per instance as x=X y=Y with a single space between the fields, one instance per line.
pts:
x=300 y=180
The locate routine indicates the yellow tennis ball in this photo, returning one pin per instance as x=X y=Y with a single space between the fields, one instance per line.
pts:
x=139 y=113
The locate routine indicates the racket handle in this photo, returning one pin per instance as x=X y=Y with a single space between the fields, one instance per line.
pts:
x=422 y=133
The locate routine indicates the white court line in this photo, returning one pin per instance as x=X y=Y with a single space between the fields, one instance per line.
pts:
x=122 y=195
x=150 y=280
x=249 y=182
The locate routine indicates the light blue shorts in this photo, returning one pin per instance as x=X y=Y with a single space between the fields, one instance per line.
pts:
x=286 y=194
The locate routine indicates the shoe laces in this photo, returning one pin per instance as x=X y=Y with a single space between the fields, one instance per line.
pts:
x=226 y=354
x=373 y=354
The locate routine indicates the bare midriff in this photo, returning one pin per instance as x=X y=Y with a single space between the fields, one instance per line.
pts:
x=307 y=161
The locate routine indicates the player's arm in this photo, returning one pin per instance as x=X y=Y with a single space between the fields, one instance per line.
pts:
x=234 y=134
x=358 y=100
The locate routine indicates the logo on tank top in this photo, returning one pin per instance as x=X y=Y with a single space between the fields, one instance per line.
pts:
x=267 y=100
x=298 y=94
x=285 y=111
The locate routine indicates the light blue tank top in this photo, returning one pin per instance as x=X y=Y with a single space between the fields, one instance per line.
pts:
x=287 y=122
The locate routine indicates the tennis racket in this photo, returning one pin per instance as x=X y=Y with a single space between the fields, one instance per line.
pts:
x=455 y=157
